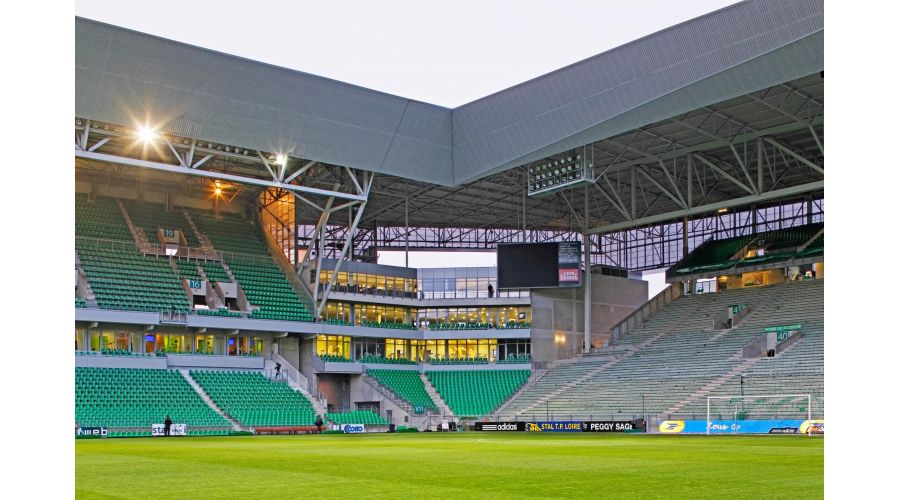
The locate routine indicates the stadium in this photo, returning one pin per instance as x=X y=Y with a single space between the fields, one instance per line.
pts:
x=234 y=316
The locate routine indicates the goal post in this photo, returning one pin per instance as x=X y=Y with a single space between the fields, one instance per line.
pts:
x=769 y=407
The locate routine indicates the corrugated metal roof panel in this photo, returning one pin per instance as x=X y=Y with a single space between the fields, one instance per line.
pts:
x=526 y=120
x=122 y=76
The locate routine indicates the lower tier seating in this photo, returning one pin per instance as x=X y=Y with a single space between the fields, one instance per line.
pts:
x=660 y=368
x=138 y=398
x=406 y=384
x=473 y=393
x=356 y=417
x=253 y=400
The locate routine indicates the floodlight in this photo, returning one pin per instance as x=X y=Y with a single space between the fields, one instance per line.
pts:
x=146 y=134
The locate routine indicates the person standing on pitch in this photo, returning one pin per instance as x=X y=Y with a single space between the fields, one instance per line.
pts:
x=167 y=425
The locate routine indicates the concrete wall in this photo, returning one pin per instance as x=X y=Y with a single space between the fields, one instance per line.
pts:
x=197 y=200
x=224 y=362
x=336 y=387
x=120 y=362
x=557 y=326
x=306 y=350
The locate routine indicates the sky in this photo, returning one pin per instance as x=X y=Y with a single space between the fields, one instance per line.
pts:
x=445 y=53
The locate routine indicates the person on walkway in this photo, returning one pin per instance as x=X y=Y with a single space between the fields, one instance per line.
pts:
x=277 y=370
x=319 y=423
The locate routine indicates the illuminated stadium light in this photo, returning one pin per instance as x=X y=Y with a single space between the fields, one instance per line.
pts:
x=722 y=210
x=146 y=134
x=280 y=159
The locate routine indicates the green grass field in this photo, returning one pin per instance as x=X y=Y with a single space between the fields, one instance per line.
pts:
x=459 y=465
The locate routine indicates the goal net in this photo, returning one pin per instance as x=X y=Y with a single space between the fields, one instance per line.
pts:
x=769 y=414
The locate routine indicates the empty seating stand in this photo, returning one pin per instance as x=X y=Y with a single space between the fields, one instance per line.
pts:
x=474 y=393
x=680 y=353
x=122 y=278
x=153 y=216
x=253 y=400
x=778 y=245
x=356 y=417
x=132 y=400
x=247 y=255
x=119 y=276
x=100 y=219
x=406 y=384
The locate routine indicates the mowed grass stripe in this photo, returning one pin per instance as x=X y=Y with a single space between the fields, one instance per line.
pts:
x=460 y=465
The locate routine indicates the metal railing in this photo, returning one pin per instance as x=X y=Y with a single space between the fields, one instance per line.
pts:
x=374 y=291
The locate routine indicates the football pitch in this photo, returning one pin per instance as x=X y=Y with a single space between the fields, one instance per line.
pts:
x=457 y=465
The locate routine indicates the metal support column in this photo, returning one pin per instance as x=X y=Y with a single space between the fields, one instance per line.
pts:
x=296 y=231
x=587 y=274
x=406 y=218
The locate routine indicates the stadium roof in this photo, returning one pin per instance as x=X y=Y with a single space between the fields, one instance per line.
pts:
x=123 y=76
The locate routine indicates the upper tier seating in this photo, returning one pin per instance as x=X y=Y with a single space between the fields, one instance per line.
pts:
x=153 y=216
x=136 y=398
x=473 y=393
x=253 y=400
x=121 y=278
x=683 y=353
x=260 y=278
x=187 y=268
x=711 y=255
x=816 y=247
x=406 y=384
x=230 y=233
x=780 y=244
x=356 y=417
x=100 y=219
x=215 y=272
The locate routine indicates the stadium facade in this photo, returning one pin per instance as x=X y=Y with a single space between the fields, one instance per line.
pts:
x=229 y=216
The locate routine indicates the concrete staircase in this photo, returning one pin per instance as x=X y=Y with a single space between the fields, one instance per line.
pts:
x=436 y=397
x=137 y=233
x=390 y=395
x=535 y=376
x=298 y=382
x=87 y=294
x=711 y=386
x=206 y=399
x=205 y=244
x=587 y=376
